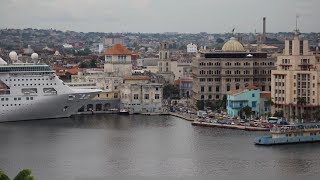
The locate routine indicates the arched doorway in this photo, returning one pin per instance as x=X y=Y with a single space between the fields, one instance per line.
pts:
x=107 y=106
x=89 y=107
x=98 y=107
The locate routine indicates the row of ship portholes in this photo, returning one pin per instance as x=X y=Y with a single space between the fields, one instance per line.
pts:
x=39 y=79
x=35 y=84
x=16 y=99
x=11 y=104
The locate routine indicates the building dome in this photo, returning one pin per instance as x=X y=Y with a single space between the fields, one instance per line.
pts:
x=233 y=46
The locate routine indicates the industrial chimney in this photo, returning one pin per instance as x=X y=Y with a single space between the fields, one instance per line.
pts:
x=264 y=28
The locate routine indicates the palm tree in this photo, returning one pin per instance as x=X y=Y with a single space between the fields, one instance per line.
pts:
x=300 y=102
x=269 y=103
x=3 y=176
x=22 y=175
x=247 y=110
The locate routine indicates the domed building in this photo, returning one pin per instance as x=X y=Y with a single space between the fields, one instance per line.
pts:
x=215 y=73
x=233 y=46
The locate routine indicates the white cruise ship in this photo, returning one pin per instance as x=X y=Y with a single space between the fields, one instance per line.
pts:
x=33 y=91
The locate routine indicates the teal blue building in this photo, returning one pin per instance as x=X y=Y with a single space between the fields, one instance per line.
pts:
x=238 y=99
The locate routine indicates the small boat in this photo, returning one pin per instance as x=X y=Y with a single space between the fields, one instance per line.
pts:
x=290 y=134
x=124 y=112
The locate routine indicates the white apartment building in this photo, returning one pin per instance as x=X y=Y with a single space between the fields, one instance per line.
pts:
x=138 y=95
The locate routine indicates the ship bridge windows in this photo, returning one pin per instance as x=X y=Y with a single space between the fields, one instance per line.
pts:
x=24 y=68
x=29 y=91
x=49 y=91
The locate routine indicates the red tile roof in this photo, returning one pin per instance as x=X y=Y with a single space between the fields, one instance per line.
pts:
x=265 y=94
x=235 y=92
x=251 y=87
x=240 y=90
x=117 y=49
x=73 y=71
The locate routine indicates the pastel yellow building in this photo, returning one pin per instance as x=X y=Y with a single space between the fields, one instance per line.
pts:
x=295 y=82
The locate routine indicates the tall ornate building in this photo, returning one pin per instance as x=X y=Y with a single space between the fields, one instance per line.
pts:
x=164 y=63
x=295 y=83
x=217 y=72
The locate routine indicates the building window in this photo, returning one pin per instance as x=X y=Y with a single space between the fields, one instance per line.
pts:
x=228 y=87
x=237 y=86
x=209 y=88
x=157 y=96
x=217 y=88
x=210 y=97
x=202 y=89
x=136 y=96
x=115 y=95
x=202 y=96
x=254 y=104
x=146 y=96
x=202 y=79
x=253 y=95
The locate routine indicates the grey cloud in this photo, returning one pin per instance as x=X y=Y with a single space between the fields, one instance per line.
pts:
x=160 y=15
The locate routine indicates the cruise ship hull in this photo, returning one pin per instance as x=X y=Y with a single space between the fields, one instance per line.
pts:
x=46 y=107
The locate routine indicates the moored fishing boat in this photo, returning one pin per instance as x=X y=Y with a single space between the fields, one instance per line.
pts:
x=289 y=134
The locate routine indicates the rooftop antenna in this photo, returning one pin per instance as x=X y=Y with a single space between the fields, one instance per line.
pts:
x=232 y=32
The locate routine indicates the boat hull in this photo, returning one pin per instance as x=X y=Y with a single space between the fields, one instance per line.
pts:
x=46 y=107
x=286 y=140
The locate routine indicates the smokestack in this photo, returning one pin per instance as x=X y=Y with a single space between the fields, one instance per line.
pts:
x=264 y=26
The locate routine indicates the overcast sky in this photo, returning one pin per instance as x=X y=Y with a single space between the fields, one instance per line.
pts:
x=213 y=16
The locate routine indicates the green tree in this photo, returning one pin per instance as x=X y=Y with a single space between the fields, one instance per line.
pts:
x=316 y=115
x=25 y=174
x=224 y=102
x=200 y=104
x=84 y=64
x=246 y=111
x=269 y=103
x=3 y=176
x=170 y=91
x=93 y=63
x=301 y=101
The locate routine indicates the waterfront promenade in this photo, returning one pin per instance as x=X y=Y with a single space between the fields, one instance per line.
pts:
x=185 y=116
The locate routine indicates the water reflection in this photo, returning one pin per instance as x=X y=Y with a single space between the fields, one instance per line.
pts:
x=111 y=145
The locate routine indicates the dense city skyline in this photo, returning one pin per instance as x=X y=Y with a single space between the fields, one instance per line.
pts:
x=160 y=16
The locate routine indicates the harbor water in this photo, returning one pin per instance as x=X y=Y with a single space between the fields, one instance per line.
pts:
x=155 y=147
